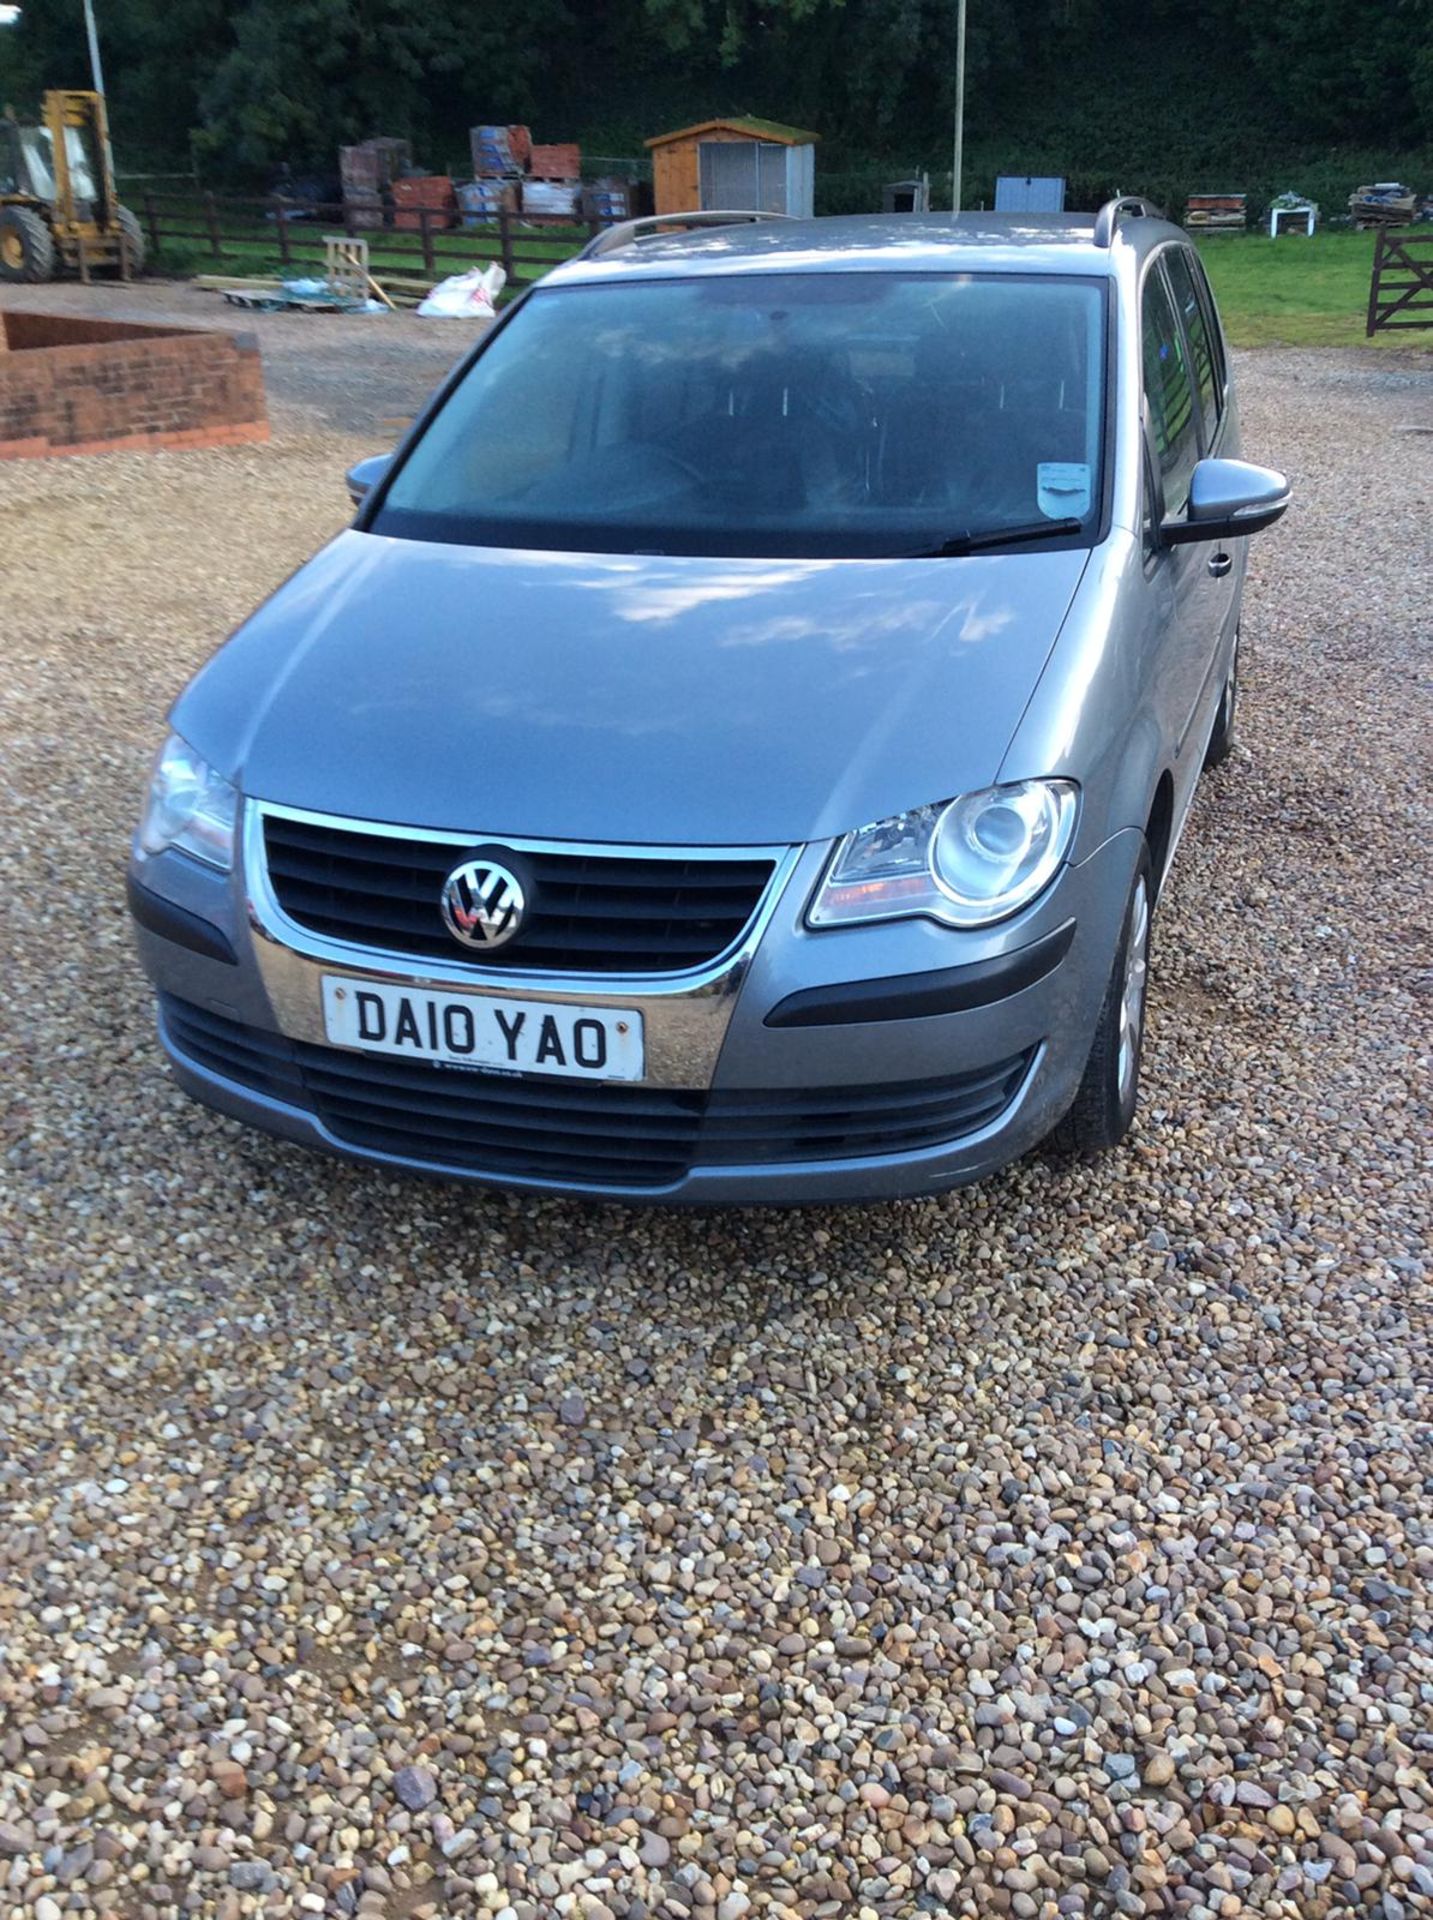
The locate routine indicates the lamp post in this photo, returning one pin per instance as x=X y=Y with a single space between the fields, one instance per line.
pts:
x=92 y=34
x=958 y=155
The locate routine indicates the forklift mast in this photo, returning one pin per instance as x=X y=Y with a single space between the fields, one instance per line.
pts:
x=79 y=144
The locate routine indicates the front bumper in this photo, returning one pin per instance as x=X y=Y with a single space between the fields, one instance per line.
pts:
x=866 y=1063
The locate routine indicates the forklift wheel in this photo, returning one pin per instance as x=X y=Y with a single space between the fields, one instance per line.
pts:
x=27 y=247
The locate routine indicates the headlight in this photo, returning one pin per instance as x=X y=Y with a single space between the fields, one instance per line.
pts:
x=967 y=862
x=189 y=807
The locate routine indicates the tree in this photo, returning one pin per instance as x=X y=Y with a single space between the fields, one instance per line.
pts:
x=306 y=76
x=1115 y=87
x=157 y=55
x=732 y=26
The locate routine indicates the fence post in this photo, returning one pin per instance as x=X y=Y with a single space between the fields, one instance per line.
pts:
x=1372 y=326
x=211 y=214
x=277 y=203
x=151 y=216
x=430 y=265
x=505 y=239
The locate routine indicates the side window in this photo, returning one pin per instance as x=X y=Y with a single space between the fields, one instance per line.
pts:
x=1211 y=322
x=1169 y=394
x=1180 y=266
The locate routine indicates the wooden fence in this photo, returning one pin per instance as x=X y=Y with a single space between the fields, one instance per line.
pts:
x=292 y=233
x=1400 y=293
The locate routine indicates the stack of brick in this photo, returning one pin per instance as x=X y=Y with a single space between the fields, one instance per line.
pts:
x=547 y=177
x=500 y=153
x=427 y=193
x=608 y=200
x=106 y=386
x=480 y=202
x=368 y=172
x=553 y=188
x=562 y=161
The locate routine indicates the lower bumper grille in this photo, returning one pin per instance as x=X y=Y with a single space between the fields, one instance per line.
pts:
x=602 y=1134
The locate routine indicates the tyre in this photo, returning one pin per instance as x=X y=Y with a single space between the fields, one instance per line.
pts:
x=1105 y=1105
x=1221 y=741
x=27 y=247
x=134 y=233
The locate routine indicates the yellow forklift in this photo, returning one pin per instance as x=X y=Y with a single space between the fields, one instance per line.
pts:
x=58 y=207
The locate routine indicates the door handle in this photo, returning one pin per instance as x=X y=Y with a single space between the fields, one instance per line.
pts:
x=1220 y=563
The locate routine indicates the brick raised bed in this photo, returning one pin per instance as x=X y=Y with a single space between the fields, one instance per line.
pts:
x=106 y=386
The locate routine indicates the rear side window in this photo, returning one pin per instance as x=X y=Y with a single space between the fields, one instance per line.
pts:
x=1197 y=332
x=1169 y=394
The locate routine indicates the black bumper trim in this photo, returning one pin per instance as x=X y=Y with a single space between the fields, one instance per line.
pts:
x=178 y=924
x=916 y=996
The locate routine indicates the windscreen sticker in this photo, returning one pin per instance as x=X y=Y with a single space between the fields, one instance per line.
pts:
x=1063 y=489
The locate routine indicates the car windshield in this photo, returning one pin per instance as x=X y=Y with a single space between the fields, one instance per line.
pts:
x=772 y=414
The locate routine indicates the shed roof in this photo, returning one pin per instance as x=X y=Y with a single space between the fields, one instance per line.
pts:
x=754 y=130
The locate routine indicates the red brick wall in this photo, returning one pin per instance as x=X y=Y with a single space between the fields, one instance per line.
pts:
x=95 y=386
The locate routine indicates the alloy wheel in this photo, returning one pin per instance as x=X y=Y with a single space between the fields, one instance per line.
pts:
x=1132 y=995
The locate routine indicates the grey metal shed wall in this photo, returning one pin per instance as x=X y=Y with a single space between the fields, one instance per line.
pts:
x=1029 y=193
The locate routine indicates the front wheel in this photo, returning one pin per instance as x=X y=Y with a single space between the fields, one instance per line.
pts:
x=1104 y=1107
x=27 y=247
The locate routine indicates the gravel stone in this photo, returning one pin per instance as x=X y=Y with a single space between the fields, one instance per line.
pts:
x=1158 y=1770
x=883 y=1534
x=415 y=1787
x=252 y=1876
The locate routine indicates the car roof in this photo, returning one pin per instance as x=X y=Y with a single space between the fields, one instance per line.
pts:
x=906 y=243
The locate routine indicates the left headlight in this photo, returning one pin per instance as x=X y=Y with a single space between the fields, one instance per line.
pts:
x=189 y=807
x=967 y=862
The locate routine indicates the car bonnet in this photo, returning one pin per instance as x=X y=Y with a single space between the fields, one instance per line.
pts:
x=626 y=698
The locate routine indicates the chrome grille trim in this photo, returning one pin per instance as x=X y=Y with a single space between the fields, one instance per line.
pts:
x=586 y=912
x=686 y=1014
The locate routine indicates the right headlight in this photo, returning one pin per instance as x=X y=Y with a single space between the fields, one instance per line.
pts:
x=967 y=862
x=189 y=807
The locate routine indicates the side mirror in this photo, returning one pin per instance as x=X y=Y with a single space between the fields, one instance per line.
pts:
x=363 y=478
x=1228 y=498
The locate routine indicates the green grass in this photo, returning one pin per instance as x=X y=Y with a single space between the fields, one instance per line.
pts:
x=1296 y=291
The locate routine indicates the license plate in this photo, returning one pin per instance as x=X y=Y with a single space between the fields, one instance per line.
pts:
x=461 y=1030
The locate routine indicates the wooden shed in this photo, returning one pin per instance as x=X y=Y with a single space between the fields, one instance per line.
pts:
x=729 y=164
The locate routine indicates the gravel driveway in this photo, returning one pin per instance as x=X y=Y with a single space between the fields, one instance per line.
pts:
x=1061 y=1547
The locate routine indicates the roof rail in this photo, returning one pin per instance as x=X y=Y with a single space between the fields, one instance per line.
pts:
x=1131 y=204
x=627 y=232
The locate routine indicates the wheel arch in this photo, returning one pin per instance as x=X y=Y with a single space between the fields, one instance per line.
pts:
x=1159 y=831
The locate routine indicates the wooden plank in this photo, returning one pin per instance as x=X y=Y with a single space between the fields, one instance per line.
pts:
x=1372 y=324
x=1398 y=280
x=229 y=228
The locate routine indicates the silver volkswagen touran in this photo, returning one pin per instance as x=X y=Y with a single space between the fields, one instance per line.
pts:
x=736 y=751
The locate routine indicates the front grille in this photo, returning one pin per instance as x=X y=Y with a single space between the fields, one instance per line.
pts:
x=534 y=1127
x=590 y=912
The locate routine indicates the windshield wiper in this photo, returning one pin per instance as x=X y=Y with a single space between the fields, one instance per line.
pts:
x=980 y=539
